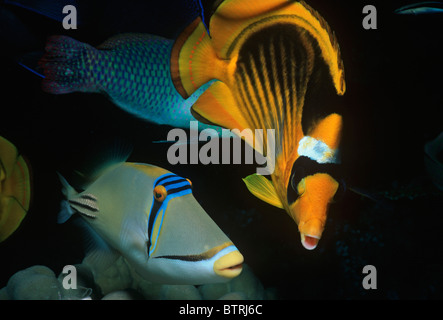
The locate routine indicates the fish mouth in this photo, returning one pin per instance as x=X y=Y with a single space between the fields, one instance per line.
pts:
x=309 y=242
x=229 y=265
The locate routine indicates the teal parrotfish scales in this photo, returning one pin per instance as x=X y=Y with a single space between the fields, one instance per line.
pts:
x=149 y=216
x=133 y=70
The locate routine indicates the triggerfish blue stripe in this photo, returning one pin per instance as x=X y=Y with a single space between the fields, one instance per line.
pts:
x=182 y=186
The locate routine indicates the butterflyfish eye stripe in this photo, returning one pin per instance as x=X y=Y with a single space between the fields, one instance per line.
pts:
x=304 y=167
x=176 y=187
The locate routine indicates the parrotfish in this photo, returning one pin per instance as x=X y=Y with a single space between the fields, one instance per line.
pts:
x=270 y=58
x=15 y=189
x=149 y=216
x=131 y=69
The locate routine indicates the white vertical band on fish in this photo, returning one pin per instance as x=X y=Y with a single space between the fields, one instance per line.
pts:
x=317 y=150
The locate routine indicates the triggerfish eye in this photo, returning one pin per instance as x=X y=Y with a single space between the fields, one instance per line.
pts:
x=160 y=193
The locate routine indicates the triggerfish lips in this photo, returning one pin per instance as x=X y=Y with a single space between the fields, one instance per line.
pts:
x=222 y=266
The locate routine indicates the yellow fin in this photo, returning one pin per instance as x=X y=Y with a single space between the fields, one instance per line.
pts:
x=11 y=215
x=217 y=106
x=263 y=189
x=8 y=157
x=193 y=60
x=235 y=20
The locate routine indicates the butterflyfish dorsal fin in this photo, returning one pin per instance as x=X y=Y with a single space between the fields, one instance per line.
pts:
x=263 y=189
x=249 y=16
x=196 y=58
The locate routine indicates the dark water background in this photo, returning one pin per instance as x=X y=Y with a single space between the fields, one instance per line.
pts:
x=392 y=107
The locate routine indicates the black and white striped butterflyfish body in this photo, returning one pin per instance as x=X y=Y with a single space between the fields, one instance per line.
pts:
x=150 y=217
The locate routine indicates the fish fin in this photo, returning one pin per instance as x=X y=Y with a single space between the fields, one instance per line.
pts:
x=29 y=61
x=69 y=192
x=53 y=9
x=15 y=188
x=8 y=158
x=216 y=106
x=99 y=255
x=263 y=189
x=63 y=64
x=191 y=55
x=12 y=214
x=328 y=130
x=110 y=154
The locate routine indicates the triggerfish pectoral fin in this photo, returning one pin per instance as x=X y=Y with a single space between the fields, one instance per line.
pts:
x=15 y=189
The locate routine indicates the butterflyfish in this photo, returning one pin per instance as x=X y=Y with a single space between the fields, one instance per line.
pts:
x=149 y=216
x=270 y=58
x=132 y=70
x=15 y=189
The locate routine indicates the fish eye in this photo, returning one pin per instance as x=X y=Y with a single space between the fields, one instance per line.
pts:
x=160 y=193
x=190 y=182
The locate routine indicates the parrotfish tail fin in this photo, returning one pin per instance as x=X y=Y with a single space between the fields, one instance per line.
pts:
x=65 y=66
x=15 y=189
x=69 y=192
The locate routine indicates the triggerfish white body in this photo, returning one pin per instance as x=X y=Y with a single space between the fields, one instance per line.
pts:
x=150 y=217
x=272 y=59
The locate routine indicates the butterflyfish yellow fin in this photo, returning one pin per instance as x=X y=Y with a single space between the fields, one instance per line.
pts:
x=11 y=215
x=217 y=106
x=263 y=189
x=193 y=60
x=328 y=130
x=234 y=21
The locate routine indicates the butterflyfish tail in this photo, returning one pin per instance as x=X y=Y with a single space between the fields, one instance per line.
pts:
x=65 y=66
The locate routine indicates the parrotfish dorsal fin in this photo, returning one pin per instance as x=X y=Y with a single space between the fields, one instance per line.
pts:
x=263 y=189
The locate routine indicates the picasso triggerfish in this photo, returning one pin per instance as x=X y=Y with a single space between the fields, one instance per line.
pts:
x=149 y=216
x=270 y=57
x=15 y=189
